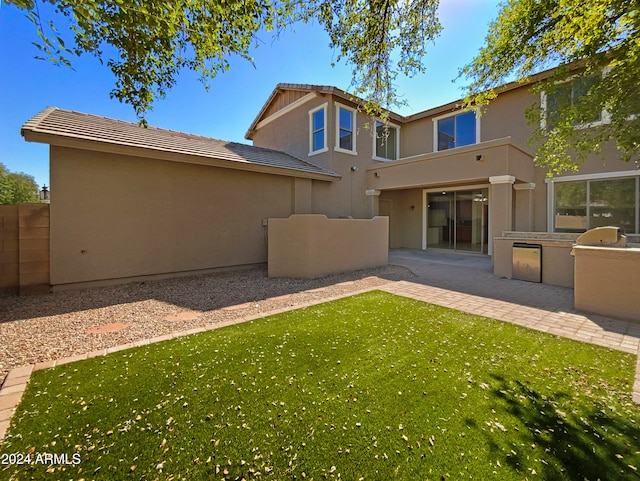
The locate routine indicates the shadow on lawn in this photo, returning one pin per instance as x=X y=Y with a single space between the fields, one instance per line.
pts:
x=197 y=293
x=593 y=442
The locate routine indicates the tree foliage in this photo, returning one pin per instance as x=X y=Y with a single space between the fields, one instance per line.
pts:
x=154 y=40
x=592 y=42
x=16 y=188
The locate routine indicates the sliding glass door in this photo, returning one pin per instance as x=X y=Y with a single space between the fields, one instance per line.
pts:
x=457 y=220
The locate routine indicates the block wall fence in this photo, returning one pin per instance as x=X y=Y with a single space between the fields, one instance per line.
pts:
x=24 y=249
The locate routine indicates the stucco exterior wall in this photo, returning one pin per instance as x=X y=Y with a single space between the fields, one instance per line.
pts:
x=557 y=262
x=308 y=246
x=116 y=217
x=505 y=116
x=290 y=133
x=607 y=281
x=539 y=201
x=405 y=216
x=346 y=197
x=454 y=167
x=417 y=137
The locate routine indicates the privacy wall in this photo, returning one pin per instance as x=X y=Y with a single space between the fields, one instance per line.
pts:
x=312 y=245
x=24 y=249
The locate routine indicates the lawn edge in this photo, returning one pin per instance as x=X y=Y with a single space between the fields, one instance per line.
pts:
x=17 y=379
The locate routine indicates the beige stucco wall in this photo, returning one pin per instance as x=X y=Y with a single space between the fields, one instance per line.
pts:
x=117 y=217
x=290 y=133
x=506 y=117
x=454 y=167
x=504 y=133
x=607 y=281
x=557 y=262
x=307 y=246
x=405 y=217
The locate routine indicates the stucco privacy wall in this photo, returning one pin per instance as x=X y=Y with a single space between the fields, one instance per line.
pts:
x=118 y=217
x=312 y=245
x=607 y=281
x=24 y=249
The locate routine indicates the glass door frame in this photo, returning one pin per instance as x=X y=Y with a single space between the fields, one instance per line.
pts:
x=425 y=224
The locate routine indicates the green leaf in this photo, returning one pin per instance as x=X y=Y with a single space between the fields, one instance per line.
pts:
x=584 y=39
x=154 y=41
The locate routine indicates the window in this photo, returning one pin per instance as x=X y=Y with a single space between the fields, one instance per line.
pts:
x=317 y=130
x=571 y=207
x=387 y=141
x=345 y=135
x=586 y=204
x=455 y=131
x=569 y=93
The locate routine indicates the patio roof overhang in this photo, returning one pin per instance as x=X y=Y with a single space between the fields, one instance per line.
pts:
x=470 y=164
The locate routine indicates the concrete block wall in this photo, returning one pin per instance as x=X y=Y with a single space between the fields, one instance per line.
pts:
x=24 y=249
x=9 y=256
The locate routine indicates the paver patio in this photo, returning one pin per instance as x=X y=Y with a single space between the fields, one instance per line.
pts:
x=465 y=283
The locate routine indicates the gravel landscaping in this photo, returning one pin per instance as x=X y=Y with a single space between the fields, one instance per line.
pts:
x=54 y=326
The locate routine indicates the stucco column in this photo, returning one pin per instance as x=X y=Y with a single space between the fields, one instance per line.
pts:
x=501 y=204
x=524 y=206
x=373 y=201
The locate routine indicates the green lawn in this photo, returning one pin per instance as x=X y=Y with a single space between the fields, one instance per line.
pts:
x=373 y=386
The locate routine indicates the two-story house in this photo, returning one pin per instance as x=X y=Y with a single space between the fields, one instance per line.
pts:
x=129 y=203
x=447 y=178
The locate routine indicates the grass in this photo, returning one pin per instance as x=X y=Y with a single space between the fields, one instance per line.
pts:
x=373 y=386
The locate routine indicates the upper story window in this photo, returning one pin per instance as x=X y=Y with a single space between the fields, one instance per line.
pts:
x=455 y=130
x=345 y=129
x=386 y=142
x=568 y=94
x=318 y=130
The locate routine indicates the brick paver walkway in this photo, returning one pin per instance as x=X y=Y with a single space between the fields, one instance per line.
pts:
x=467 y=283
x=460 y=282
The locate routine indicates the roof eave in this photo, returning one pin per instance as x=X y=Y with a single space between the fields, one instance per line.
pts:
x=136 y=151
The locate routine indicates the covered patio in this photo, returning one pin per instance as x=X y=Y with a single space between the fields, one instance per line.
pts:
x=457 y=199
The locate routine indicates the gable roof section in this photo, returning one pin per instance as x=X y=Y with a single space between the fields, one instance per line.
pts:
x=271 y=109
x=75 y=129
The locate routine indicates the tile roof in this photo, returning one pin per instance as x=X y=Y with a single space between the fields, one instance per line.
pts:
x=54 y=123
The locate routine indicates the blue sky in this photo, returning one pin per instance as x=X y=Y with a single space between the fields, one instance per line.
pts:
x=27 y=85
